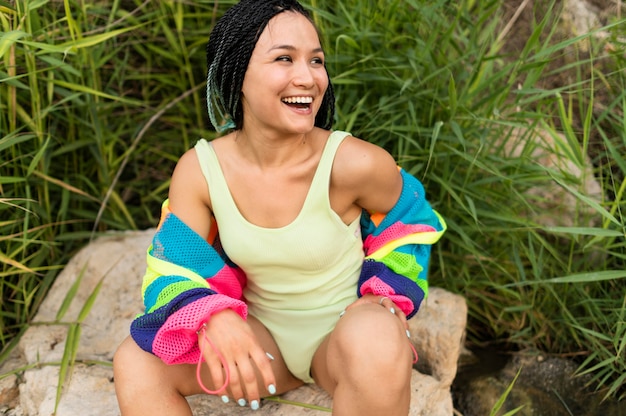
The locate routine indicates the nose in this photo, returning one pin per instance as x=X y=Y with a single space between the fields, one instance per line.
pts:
x=303 y=74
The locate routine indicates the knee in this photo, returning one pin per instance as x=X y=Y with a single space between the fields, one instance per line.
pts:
x=124 y=356
x=133 y=366
x=372 y=340
x=124 y=361
x=137 y=373
x=372 y=331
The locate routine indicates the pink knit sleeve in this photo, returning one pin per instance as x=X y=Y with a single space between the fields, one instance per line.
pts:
x=176 y=342
x=378 y=287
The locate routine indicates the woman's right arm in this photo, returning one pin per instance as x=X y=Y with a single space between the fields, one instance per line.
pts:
x=189 y=194
x=193 y=293
x=187 y=280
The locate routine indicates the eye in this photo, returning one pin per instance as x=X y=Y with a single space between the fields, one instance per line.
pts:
x=284 y=58
x=317 y=61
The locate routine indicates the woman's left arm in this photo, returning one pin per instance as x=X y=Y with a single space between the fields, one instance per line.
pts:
x=397 y=247
x=398 y=228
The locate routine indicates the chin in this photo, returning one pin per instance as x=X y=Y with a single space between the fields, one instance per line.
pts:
x=305 y=130
x=300 y=128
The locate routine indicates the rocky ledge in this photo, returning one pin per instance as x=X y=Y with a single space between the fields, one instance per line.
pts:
x=104 y=281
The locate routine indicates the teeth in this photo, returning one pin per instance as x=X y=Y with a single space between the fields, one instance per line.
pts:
x=298 y=100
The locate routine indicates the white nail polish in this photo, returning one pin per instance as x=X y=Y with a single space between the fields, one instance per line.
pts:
x=225 y=399
x=270 y=356
x=408 y=334
x=393 y=310
x=254 y=405
x=342 y=313
x=241 y=402
x=271 y=389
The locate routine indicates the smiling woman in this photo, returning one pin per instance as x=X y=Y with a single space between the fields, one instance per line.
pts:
x=228 y=60
x=286 y=67
x=287 y=253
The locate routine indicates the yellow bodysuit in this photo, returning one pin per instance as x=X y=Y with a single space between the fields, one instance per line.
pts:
x=300 y=276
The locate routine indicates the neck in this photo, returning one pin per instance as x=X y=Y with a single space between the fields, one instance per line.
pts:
x=272 y=151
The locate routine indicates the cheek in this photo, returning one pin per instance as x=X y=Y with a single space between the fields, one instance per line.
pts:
x=264 y=84
x=322 y=80
x=322 y=84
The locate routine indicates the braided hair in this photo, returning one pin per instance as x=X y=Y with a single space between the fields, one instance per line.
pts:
x=229 y=49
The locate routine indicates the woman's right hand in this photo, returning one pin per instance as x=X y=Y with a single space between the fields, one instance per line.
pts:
x=248 y=364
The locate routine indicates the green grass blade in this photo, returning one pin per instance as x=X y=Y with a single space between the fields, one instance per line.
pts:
x=498 y=405
x=67 y=361
x=589 y=277
x=84 y=311
x=278 y=399
x=71 y=294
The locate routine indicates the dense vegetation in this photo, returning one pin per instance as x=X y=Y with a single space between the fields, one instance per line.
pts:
x=98 y=100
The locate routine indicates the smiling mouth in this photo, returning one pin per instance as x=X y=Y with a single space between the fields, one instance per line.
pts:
x=298 y=102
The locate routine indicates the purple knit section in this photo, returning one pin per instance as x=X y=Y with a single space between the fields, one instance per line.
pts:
x=400 y=284
x=145 y=327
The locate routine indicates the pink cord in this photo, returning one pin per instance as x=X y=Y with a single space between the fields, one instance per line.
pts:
x=222 y=360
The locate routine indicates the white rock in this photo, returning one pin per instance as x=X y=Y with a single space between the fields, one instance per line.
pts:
x=438 y=333
x=118 y=262
x=552 y=204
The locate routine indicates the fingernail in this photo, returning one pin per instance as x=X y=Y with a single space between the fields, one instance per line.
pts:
x=408 y=334
x=254 y=405
x=225 y=399
x=393 y=310
x=271 y=389
x=270 y=356
x=342 y=313
x=241 y=402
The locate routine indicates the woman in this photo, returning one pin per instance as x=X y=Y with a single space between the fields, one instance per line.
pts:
x=286 y=253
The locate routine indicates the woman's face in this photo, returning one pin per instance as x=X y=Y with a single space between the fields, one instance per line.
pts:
x=285 y=82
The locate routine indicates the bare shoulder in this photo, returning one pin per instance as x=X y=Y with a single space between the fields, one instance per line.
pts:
x=370 y=172
x=187 y=172
x=189 y=193
x=355 y=153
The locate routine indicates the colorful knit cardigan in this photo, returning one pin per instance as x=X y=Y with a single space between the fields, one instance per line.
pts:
x=189 y=278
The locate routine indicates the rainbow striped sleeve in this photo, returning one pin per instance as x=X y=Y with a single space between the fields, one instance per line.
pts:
x=397 y=247
x=186 y=281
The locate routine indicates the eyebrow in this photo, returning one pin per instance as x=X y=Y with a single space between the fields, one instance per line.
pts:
x=293 y=48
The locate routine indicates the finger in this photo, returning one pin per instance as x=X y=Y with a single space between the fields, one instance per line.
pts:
x=214 y=365
x=236 y=387
x=402 y=316
x=388 y=304
x=218 y=377
x=263 y=361
x=250 y=383
x=394 y=309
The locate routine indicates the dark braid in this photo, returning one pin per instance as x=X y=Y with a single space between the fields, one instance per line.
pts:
x=228 y=53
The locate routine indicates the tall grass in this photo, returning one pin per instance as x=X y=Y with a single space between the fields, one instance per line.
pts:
x=79 y=81
x=436 y=86
x=99 y=99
